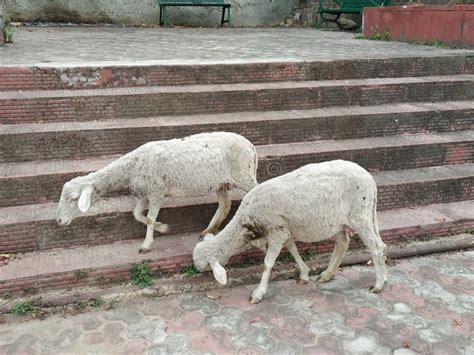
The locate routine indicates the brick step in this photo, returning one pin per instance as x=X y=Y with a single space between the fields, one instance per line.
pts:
x=50 y=77
x=33 y=227
x=118 y=103
x=102 y=264
x=41 y=181
x=65 y=140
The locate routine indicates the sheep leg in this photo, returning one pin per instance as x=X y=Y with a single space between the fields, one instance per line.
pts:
x=150 y=222
x=139 y=214
x=302 y=267
x=376 y=247
x=274 y=247
x=139 y=210
x=340 y=248
x=221 y=213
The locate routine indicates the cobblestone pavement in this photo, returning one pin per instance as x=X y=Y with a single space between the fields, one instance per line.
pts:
x=427 y=307
x=83 y=45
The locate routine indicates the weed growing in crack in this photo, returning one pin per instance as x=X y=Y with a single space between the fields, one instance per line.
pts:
x=140 y=274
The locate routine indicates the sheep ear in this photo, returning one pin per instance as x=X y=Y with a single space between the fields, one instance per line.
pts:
x=84 y=202
x=219 y=273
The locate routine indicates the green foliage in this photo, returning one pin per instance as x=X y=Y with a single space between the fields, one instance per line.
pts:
x=7 y=30
x=97 y=302
x=287 y=258
x=190 y=271
x=23 y=308
x=140 y=274
x=359 y=36
x=80 y=274
x=28 y=291
x=308 y=255
x=376 y=36
x=6 y=295
x=438 y=43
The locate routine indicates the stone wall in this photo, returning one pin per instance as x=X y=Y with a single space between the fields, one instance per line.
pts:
x=2 y=38
x=244 y=12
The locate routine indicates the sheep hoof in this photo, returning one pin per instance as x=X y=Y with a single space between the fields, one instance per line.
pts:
x=325 y=277
x=143 y=250
x=376 y=289
x=255 y=300
x=302 y=281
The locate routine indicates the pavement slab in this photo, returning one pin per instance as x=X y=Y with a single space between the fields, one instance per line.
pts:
x=59 y=46
x=427 y=307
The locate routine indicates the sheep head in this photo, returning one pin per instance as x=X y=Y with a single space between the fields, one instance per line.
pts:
x=205 y=260
x=76 y=197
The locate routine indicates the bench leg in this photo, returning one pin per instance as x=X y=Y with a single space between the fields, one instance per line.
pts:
x=223 y=19
x=165 y=17
x=161 y=15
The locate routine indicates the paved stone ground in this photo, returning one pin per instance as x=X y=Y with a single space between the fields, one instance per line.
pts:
x=85 y=45
x=427 y=307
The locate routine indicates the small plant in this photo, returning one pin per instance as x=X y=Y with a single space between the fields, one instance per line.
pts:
x=111 y=304
x=7 y=30
x=438 y=43
x=80 y=274
x=425 y=237
x=29 y=291
x=376 y=36
x=287 y=258
x=97 y=302
x=23 y=308
x=140 y=274
x=308 y=255
x=190 y=271
x=359 y=36
x=6 y=295
x=80 y=306
x=387 y=35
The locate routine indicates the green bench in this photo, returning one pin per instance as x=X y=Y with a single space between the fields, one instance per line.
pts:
x=225 y=4
x=344 y=7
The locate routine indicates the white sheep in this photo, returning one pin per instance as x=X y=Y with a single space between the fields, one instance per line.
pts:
x=309 y=204
x=193 y=166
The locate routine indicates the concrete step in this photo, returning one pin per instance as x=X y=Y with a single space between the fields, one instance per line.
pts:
x=41 y=181
x=57 y=77
x=102 y=264
x=33 y=227
x=136 y=102
x=65 y=140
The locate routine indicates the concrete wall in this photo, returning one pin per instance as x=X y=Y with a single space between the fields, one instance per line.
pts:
x=244 y=12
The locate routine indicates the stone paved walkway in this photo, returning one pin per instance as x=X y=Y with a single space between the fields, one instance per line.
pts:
x=85 y=45
x=427 y=307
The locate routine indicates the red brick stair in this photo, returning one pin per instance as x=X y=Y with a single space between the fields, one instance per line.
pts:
x=101 y=264
x=63 y=140
x=409 y=121
x=111 y=219
x=136 y=102
x=57 y=77
x=39 y=181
